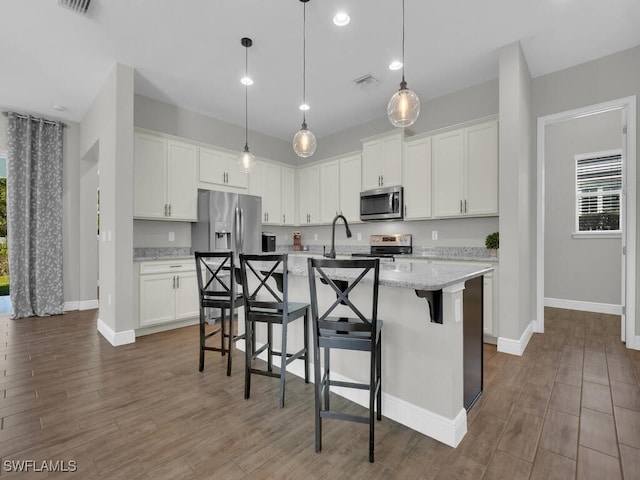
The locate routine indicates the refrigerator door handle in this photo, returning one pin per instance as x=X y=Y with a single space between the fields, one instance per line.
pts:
x=241 y=231
x=236 y=227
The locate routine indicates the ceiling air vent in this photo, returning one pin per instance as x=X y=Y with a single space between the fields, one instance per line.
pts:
x=366 y=81
x=78 y=6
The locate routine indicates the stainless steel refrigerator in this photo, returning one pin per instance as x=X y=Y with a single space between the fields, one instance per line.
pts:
x=227 y=221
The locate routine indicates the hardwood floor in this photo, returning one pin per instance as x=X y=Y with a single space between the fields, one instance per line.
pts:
x=568 y=408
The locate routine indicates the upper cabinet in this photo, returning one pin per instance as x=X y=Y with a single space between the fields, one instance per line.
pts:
x=219 y=170
x=465 y=171
x=164 y=178
x=288 y=195
x=309 y=195
x=265 y=182
x=329 y=191
x=382 y=160
x=350 y=187
x=416 y=166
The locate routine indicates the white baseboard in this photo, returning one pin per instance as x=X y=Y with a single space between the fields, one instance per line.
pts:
x=609 y=308
x=445 y=430
x=88 y=304
x=80 y=305
x=116 y=338
x=516 y=347
x=69 y=306
x=166 y=326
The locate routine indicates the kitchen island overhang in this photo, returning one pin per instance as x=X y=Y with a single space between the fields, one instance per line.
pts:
x=422 y=360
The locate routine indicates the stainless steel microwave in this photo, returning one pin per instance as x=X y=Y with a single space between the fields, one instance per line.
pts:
x=382 y=204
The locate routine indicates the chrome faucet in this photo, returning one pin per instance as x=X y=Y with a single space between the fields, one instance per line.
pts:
x=332 y=252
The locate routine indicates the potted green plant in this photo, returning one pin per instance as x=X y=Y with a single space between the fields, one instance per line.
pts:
x=492 y=242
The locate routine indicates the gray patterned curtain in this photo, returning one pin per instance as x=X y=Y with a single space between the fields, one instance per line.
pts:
x=34 y=215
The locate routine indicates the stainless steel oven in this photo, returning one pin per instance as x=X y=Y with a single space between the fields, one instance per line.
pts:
x=382 y=204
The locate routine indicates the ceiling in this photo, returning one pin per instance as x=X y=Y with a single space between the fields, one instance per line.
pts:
x=188 y=52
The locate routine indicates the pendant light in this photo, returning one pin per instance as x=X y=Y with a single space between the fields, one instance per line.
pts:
x=246 y=160
x=404 y=106
x=304 y=141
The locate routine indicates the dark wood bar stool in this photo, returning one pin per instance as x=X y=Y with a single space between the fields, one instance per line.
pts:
x=217 y=286
x=353 y=331
x=260 y=274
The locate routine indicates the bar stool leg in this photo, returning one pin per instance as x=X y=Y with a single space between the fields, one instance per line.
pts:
x=223 y=329
x=248 y=351
x=230 y=337
x=306 y=346
x=327 y=379
x=202 y=314
x=283 y=359
x=379 y=376
x=270 y=347
x=317 y=389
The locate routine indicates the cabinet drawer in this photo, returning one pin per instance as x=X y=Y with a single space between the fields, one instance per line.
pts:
x=167 y=266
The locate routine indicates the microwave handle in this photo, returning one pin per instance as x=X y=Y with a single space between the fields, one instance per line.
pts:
x=392 y=201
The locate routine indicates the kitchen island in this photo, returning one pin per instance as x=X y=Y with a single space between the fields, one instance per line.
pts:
x=423 y=339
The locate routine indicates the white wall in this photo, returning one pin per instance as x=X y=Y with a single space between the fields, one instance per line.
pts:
x=70 y=202
x=109 y=124
x=155 y=233
x=582 y=269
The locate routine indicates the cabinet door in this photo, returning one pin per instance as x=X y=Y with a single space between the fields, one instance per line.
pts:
x=448 y=171
x=329 y=191
x=271 y=194
x=236 y=177
x=149 y=176
x=182 y=176
x=157 y=299
x=213 y=166
x=391 y=161
x=186 y=293
x=417 y=179
x=309 y=193
x=350 y=187
x=256 y=179
x=482 y=169
x=288 y=196
x=371 y=164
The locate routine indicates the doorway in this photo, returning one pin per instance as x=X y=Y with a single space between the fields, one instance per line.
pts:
x=624 y=110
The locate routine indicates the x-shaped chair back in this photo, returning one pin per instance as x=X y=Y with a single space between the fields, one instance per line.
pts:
x=218 y=280
x=265 y=271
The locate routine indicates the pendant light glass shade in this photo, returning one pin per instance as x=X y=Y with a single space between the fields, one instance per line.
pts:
x=304 y=142
x=246 y=160
x=404 y=107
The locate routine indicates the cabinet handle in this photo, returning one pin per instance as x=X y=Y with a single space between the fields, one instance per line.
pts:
x=283 y=218
x=382 y=180
x=405 y=210
x=169 y=209
x=165 y=210
x=460 y=206
x=178 y=281
x=465 y=206
x=174 y=282
x=267 y=216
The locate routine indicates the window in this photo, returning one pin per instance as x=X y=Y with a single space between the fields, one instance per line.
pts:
x=598 y=191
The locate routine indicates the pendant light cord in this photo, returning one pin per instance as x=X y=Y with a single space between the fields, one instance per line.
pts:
x=246 y=99
x=304 y=63
x=403 y=41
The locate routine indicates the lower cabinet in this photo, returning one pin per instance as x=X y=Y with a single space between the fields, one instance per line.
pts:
x=168 y=292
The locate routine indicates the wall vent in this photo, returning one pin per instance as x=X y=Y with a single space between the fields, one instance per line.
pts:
x=78 y=6
x=366 y=81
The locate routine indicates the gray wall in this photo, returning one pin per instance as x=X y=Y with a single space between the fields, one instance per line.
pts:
x=584 y=269
x=516 y=205
x=155 y=233
x=70 y=203
x=108 y=126
x=607 y=78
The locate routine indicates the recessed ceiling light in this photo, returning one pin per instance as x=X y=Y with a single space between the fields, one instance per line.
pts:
x=304 y=107
x=395 y=65
x=341 y=19
x=59 y=108
x=246 y=81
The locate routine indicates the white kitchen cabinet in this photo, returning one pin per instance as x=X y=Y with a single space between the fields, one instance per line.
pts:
x=382 y=160
x=309 y=195
x=168 y=292
x=165 y=178
x=416 y=169
x=350 y=187
x=219 y=170
x=465 y=171
x=329 y=191
x=265 y=182
x=288 y=196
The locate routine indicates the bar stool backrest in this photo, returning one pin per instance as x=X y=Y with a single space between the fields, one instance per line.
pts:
x=344 y=331
x=260 y=274
x=215 y=281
